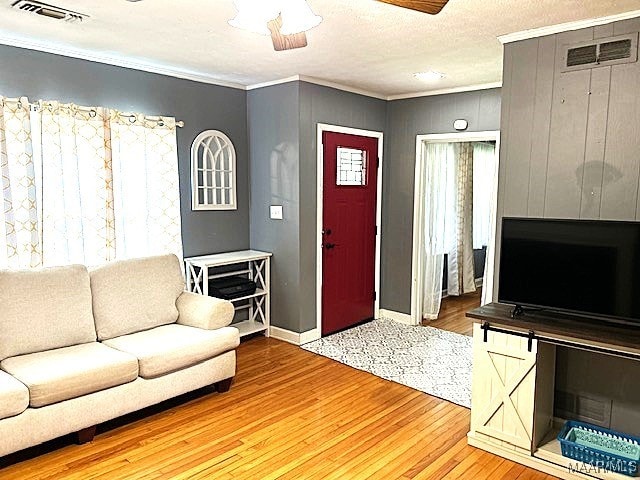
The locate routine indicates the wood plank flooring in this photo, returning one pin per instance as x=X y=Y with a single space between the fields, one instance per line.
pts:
x=452 y=313
x=290 y=414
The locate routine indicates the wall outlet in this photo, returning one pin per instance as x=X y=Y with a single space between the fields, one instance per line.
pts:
x=276 y=212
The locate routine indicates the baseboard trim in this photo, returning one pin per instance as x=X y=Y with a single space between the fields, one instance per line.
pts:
x=294 y=337
x=397 y=316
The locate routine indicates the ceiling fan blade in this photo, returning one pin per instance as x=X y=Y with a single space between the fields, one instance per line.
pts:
x=427 y=6
x=285 y=42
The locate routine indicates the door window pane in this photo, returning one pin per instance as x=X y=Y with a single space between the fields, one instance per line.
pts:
x=352 y=167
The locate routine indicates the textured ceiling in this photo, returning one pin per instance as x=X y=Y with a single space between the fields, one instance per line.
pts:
x=363 y=44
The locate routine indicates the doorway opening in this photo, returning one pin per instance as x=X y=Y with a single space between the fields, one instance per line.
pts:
x=454 y=227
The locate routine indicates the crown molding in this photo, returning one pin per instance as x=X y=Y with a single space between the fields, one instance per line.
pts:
x=271 y=83
x=566 y=27
x=318 y=81
x=344 y=88
x=116 y=60
x=445 y=91
x=122 y=61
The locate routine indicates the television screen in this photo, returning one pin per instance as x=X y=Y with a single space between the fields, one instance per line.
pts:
x=581 y=266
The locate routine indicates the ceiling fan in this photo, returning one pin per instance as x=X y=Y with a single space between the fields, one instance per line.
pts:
x=286 y=21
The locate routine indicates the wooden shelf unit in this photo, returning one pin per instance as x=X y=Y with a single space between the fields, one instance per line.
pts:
x=512 y=411
x=253 y=264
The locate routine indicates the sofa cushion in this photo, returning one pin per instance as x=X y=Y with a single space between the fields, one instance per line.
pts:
x=44 y=309
x=169 y=348
x=70 y=372
x=134 y=295
x=14 y=396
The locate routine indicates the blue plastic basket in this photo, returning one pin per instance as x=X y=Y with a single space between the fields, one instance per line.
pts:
x=594 y=457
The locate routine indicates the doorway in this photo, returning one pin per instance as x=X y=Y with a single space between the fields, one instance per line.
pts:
x=454 y=226
x=348 y=227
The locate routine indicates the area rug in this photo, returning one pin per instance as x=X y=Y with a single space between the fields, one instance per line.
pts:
x=433 y=361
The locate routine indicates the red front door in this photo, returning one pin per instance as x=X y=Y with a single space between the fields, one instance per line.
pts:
x=349 y=230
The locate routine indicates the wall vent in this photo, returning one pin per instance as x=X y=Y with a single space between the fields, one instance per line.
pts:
x=591 y=409
x=600 y=53
x=50 y=11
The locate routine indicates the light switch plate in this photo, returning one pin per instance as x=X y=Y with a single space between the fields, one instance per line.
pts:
x=276 y=212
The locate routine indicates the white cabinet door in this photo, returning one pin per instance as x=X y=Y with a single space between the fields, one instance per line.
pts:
x=504 y=384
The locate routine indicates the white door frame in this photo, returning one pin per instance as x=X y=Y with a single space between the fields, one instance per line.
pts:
x=323 y=127
x=418 y=213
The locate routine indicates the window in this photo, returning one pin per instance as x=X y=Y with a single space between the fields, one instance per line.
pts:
x=352 y=167
x=213 y=170
x=86 y=184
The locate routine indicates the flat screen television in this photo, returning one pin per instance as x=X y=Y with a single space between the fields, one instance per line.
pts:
x=584 y=267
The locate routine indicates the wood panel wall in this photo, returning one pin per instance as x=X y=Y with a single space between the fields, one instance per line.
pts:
x=570 y=142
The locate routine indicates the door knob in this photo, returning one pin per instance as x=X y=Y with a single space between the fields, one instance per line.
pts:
x=329 y=246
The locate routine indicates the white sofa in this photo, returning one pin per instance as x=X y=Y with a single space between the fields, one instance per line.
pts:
x=79 y=347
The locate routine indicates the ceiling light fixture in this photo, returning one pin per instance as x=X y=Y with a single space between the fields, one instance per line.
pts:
x=297 y=17
x=430 y=76
x=253 y=15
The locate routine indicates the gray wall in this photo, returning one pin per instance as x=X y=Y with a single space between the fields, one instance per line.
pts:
x=320 y=104
x=282 y=143
x=571 y=149
x=405 y=120
x=45 y=76
x=274 y=164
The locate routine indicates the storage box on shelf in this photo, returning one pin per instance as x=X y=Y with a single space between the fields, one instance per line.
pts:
x=253 y=264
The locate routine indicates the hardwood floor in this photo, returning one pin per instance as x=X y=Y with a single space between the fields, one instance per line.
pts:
x=290 y=414
x=452 y=313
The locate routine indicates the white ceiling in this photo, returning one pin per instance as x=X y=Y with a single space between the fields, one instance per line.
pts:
x=363 y=44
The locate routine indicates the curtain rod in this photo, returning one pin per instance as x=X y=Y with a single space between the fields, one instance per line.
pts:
x=178 y=123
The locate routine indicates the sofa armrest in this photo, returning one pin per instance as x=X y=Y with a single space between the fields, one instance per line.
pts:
x=203 y=312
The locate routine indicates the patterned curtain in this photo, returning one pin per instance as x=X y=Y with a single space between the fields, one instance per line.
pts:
x=86 y=185
x=77 y=193
x=461 y=269
x=146 y=190
x=20 y=226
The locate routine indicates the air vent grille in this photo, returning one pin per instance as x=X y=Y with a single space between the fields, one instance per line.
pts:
x=582 y=55
x=609 y=51
x=50 y=11
x=589 y=408
x=615 y=50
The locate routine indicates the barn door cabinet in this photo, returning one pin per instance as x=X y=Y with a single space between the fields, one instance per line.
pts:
x=514 y=363
x=511 y=375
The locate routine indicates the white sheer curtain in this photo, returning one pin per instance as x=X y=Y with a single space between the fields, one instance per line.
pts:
x=484 y=180
x=439 y=174
x=487 y=153
x=69 y=199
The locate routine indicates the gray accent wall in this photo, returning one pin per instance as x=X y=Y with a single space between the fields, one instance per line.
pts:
x=283 y=123
x=571 y=149
x=319 y=104
x=275 y=177
x=201 y=106
x=405 y=120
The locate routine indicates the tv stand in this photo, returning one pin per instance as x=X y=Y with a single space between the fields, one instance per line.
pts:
x=514 y=363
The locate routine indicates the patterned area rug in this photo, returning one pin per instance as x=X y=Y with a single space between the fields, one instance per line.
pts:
x=425 y=358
